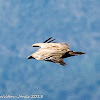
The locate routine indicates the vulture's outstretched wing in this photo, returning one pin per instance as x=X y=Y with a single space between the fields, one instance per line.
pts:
x=47 y=44
x=53 y=46
x=55 y=57
x=56 y=60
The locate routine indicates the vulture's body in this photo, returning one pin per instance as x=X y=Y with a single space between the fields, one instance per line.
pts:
x=53 y=52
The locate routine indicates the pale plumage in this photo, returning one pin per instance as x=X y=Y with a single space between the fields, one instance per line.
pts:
x=53 y=52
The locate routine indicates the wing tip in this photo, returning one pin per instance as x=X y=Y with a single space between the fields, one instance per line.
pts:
x=49 y=40
x=35 y=45
x=64 y=64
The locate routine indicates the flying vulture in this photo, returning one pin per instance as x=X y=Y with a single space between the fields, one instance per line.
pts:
x=53 y=52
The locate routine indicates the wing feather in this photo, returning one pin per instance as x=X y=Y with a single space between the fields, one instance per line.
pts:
x=56 y=60
x=55 y=57
x=47 y=40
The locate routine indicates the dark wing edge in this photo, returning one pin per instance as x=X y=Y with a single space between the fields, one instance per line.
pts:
x=54 y=60
x=61 y=62
x=47 y=41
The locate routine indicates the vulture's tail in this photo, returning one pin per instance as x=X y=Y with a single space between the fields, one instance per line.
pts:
x=72 y=53
x=75 y=53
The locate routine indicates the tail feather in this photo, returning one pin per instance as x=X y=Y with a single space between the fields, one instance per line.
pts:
x=76 y=53
x=71 y=53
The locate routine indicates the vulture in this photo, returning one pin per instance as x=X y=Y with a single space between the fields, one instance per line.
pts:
x=53 y=52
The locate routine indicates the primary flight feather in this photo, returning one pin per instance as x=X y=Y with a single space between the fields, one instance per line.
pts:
x=53 y=52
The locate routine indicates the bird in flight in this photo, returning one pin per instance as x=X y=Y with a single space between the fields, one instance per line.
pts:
x=53 y=52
